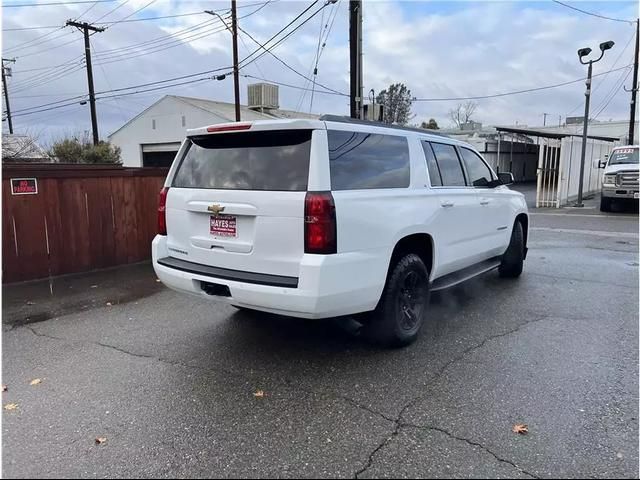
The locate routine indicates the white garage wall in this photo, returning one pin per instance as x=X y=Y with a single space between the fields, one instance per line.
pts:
x=167 y=115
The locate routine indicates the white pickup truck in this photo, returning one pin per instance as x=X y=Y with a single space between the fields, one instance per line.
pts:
x=620 y=180
x=332 y=217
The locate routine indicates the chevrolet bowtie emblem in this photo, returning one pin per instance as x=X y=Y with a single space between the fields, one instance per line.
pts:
x=215 y=208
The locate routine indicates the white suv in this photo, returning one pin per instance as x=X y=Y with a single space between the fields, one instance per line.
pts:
x=332 y=217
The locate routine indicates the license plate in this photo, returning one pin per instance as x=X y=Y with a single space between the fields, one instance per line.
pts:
x=223 y=226
x=636 y=194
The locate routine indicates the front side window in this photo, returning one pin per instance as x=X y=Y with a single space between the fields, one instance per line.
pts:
x=478 y=172
x=270 y=160
x=449 y=165
x=360 y=160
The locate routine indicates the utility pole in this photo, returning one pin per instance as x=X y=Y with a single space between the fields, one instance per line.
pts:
x=355 y=57
x=236 y=75
x=544 y=119
x=634 y=88
x=234 y=34
x=85 y=27
x=6 y=90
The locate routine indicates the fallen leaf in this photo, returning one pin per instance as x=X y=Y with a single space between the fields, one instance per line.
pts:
x=108 y=304
x=520 y=428
x=11 y=406
x=259 y=394
x=101 y=440
x=31 y=303
x=94 y=286
x=4 y=388
x=35 y=381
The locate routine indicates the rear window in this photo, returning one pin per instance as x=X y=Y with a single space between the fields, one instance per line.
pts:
x=367 y=160
x=270 y=160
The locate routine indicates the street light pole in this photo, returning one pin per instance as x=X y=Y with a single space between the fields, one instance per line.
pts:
x=583 y=52
x=585 y=128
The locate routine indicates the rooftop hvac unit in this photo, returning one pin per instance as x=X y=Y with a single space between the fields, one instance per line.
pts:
x=263 y=96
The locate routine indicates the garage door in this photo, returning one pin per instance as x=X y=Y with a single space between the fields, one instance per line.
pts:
x=159 y=154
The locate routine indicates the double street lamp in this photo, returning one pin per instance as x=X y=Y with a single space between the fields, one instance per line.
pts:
x=583 y=52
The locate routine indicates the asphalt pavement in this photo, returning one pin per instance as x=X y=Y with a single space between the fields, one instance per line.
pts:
x=181 y=387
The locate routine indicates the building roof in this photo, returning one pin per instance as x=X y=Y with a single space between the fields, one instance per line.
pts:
x=22 y=148
x=226 y=110
x=558 y=135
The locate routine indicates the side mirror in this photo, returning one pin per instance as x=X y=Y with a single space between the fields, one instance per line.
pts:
x=505 y=178
x=602 y=164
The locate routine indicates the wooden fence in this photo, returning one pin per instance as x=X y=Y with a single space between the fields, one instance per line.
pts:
x=83 y=217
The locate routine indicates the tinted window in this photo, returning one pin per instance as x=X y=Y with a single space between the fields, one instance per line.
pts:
x=434 y=172
x=274 y=160
x=478 y=172
x=449 y=165
x=367 y=160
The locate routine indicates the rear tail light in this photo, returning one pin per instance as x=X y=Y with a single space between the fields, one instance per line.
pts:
x=162 y=215
x=319 y=223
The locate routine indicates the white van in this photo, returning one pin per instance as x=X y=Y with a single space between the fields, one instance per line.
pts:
x=332 y=217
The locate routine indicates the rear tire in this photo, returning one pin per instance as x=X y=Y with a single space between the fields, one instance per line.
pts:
x=401 y=311
x=605 y=204
x=513 y=259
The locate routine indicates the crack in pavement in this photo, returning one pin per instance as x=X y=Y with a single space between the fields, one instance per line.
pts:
x=399 y=422
x=470 y=442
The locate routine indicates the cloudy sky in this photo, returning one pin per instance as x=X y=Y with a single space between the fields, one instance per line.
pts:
x=439 y=49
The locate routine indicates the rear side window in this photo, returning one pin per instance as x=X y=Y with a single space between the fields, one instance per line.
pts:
x=478 y=171
x=270 y=160
x=434 y=173
x=367 y=160
x=449 y=165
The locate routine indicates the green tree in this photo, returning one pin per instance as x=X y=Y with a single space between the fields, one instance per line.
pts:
x=396 y=101
x=76 y=150
x=431 y=125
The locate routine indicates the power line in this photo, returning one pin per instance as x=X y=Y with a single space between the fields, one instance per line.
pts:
x=75 y=2
x=30 y=28
x=591 y=13
x=516 y=92
x=281 y=30
x=612 y=94
x=22 y=45
x=163 y=38
x=132 y=13
x=280 y=60
x=160 y=47
x=120 y=5
x=293 y=86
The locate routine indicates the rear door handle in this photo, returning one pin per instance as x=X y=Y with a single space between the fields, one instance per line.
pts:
x=447 y=204
x=484 y=201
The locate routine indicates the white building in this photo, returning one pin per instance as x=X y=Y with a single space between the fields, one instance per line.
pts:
x=153 y=137
x=22 y=148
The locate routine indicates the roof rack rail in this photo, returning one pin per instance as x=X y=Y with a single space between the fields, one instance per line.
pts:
x=357 y=121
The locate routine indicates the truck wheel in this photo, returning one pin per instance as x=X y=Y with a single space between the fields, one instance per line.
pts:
x=401 y=311
x=605 y=204
x=513 y=259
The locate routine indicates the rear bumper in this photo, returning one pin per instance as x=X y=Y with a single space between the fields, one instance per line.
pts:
x=328 y=285
x=620 y=192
